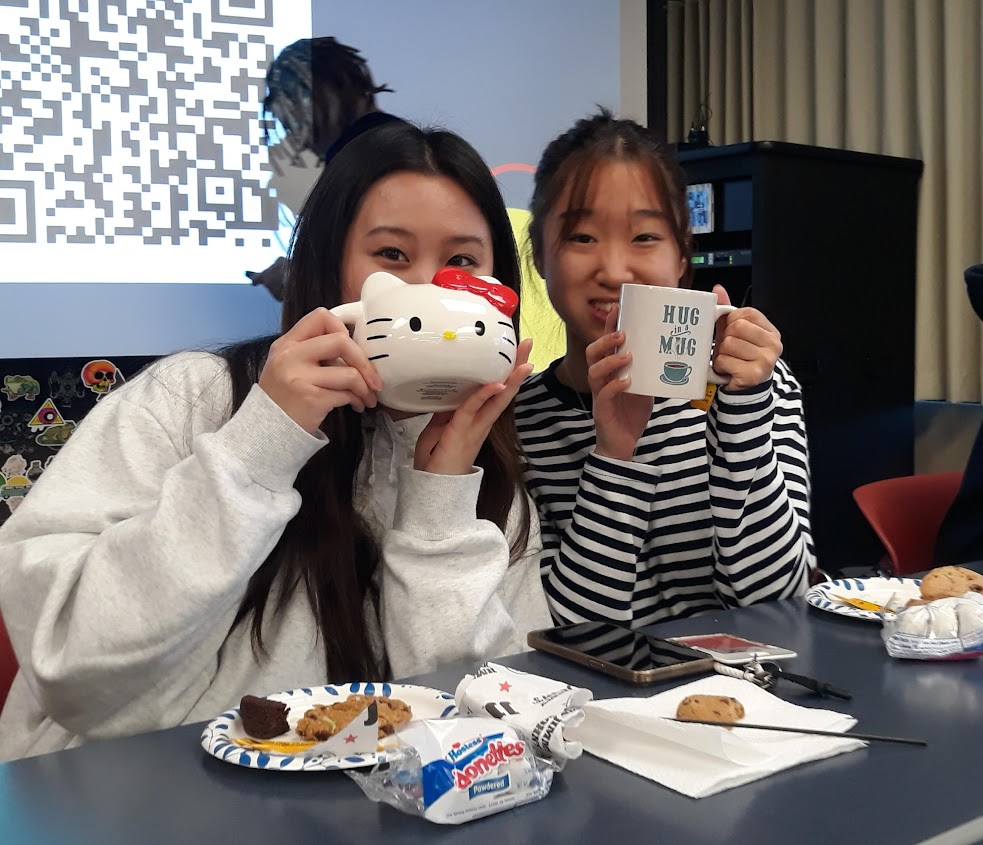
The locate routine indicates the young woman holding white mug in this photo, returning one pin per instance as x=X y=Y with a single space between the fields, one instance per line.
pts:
x=652 y=509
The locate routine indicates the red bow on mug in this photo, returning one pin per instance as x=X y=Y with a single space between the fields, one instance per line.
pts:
x=503 y=298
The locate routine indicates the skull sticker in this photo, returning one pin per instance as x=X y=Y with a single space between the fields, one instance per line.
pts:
x=101 y=377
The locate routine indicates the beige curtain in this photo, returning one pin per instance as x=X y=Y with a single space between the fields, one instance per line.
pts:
x=898 y=77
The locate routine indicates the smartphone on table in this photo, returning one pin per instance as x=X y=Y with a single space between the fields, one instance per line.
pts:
x=734 y=650
x=629 y=655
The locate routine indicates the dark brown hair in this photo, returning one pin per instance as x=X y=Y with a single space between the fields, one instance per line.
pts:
x=572 y=158
x=327 y=546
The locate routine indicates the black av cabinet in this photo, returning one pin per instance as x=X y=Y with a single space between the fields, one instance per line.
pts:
x=823 y=242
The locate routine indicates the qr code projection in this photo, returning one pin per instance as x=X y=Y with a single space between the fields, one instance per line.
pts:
x=134 y=120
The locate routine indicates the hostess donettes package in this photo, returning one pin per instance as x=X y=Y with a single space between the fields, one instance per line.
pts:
x=454 y=770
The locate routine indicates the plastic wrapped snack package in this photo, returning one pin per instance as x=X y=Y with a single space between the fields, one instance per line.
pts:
x=539 y=709
x=945 y=629
x=454 y=770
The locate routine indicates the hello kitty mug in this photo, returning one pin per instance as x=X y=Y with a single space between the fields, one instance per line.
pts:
x=434 y=344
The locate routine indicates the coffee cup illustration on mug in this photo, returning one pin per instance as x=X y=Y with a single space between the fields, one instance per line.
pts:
x=669 y=332
x=434 y=344
x=676 y=372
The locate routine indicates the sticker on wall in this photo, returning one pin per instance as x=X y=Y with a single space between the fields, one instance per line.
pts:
x=47 y=416
x=64 y=387
x=14 y=465
x=101 y=377
x=14 y=490
x=56 y=436
x=21 y=387
x=14 y=484
x=13 y=427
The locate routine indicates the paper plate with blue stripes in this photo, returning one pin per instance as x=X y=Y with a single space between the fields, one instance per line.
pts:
x=830 y=595
x=225 y=738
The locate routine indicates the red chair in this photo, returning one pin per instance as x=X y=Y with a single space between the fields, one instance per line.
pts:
x=906 y=513
x=8 y=664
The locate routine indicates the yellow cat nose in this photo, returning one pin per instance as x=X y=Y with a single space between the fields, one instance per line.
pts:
x=450 y=335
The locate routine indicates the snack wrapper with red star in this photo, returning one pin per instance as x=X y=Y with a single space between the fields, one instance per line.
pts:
x=537 y=708
x=451 y=771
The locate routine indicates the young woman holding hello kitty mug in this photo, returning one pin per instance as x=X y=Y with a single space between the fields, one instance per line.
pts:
x=254 y=521
x=652 y=509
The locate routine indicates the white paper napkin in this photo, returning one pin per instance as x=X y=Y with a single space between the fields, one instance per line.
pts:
x=539 y=709
x=701 y=760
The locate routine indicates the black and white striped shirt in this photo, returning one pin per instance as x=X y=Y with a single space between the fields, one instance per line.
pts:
x=713 y=509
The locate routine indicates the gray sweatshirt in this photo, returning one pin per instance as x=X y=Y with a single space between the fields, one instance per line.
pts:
x=122 y=571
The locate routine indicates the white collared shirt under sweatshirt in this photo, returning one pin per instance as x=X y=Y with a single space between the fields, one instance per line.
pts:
x=122 y=571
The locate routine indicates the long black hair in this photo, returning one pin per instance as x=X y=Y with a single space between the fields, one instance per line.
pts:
x=327 y=546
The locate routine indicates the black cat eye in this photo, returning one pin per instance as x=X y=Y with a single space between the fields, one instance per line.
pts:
x=479 y=328
x=415 y=324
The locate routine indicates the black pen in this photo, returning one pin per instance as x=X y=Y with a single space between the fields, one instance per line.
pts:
x=812 y=731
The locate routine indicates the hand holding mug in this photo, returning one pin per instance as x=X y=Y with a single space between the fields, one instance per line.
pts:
x=620 y=417
x=316 y=367
x=748 y=345
x=450 y=443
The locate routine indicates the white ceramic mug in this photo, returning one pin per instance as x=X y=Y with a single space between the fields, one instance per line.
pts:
x=434 y=344
x=669 y=332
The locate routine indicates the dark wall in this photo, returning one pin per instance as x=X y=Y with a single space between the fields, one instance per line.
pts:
x=42 y=400
x=823 y=242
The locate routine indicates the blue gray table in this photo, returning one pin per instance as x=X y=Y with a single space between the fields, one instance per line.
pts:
x=162 y=788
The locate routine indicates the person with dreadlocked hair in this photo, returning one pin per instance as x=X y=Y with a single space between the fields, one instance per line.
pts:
x=322 y=93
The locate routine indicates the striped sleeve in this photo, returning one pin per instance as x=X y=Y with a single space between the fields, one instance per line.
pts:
x=759 y=492
x=592 y=571
x=712 y=510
